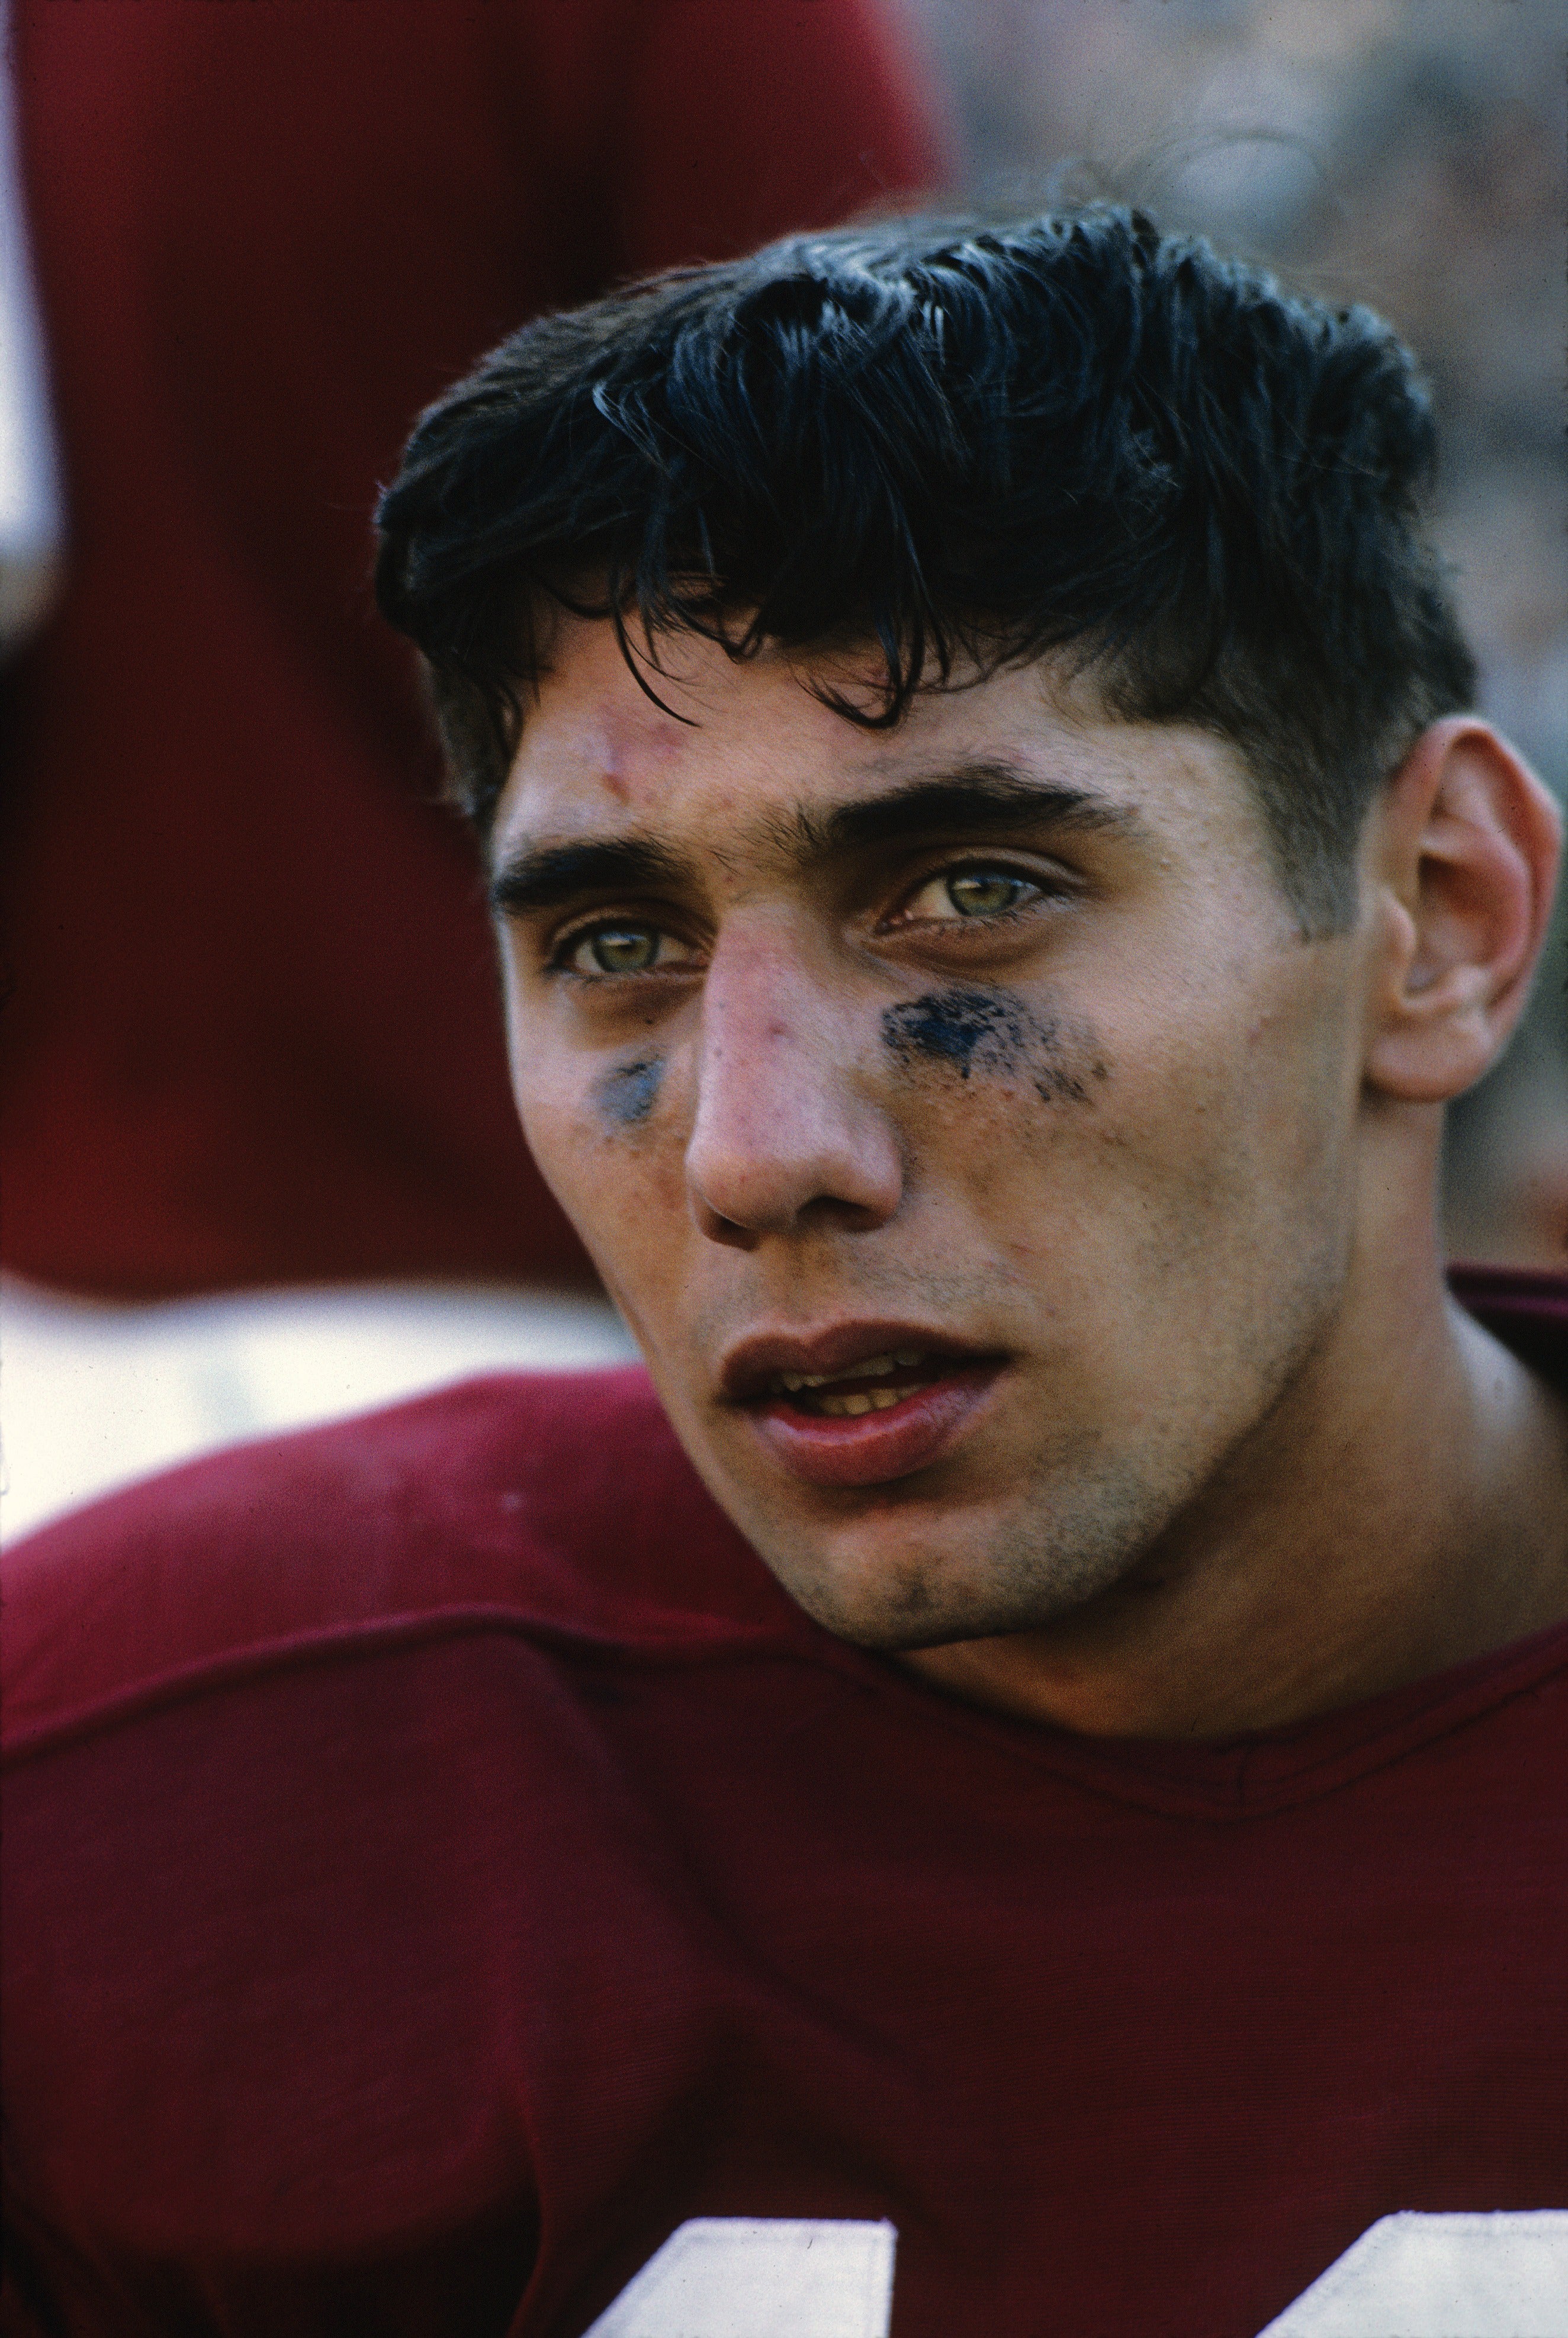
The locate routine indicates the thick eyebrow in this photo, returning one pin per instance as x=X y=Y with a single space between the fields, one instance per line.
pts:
x=977 y=799
x=546 y=876
x=982 y=798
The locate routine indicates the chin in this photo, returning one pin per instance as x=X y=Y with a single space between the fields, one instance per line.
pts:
x=898 y=1588
x=896 y=1607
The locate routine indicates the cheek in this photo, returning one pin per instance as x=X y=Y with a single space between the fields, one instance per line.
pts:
x=1000 y=1074
x=1137 y=1135
x=607 y=1145
x=1222 y=1150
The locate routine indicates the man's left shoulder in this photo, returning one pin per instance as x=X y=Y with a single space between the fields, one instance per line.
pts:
x=562 y=1498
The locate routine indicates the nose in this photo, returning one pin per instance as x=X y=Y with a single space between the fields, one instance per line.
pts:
x=787 y=1132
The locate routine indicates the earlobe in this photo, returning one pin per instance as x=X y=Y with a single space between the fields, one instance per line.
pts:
x=1463 y=852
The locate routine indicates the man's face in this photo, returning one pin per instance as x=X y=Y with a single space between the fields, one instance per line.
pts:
x=957 y=1116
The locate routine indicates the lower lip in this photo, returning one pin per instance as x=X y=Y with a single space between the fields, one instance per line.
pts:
x=868 y=1449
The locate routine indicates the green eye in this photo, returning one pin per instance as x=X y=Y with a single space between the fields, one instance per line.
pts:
x=620 y=949
x=983 y=892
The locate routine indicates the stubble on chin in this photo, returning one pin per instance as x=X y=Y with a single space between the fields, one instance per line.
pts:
x=1093 y=1524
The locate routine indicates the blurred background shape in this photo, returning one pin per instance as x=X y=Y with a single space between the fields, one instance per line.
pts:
x=254 y=1036
x=254 y=1042
x=30 y=515
x=254 y=1039
x=95 y=1395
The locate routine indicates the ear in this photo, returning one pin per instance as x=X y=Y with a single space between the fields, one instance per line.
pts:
x=1462 y=852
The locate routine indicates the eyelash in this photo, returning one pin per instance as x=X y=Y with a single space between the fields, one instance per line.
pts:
x=1041 y=887
x=561 y=957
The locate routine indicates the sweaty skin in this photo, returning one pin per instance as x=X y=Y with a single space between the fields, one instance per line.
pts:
x=1030 y=1235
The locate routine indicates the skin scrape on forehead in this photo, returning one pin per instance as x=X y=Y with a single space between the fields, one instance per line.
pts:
x=989 y=1031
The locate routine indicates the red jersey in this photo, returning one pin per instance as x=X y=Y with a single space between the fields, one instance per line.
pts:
x=451 y=1889
x=254 y=1033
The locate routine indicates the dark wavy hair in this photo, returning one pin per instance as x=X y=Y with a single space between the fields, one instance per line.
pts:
x=972 y=446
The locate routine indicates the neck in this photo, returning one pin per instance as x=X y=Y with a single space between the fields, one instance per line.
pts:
x=1404 y=1508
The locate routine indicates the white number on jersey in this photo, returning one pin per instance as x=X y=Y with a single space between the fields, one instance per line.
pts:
x=759 y=2277
x=1458 y=2277
x=1411 y=2276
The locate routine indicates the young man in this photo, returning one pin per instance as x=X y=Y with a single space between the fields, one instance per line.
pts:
x=1018 y=1786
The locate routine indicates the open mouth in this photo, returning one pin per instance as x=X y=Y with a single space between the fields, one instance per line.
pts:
x=858 y=1403
x=875 y=1386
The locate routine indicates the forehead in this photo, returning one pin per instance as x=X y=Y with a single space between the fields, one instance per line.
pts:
x=735 y=747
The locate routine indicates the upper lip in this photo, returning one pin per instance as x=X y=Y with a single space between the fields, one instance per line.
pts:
x=748 y=1367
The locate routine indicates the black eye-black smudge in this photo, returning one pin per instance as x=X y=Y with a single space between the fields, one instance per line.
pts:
x=973 y=1030
x=627 y=1093
x=1053 y=1082
x=991 y=1032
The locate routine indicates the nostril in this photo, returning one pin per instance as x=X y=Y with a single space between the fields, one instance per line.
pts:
x=721 y=1229
x=838 y=1216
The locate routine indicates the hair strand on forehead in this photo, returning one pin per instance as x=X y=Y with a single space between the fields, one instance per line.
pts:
x=964 y=445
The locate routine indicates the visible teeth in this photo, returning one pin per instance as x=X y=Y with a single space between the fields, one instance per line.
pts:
x=873 y=1367
x=861 y=1400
